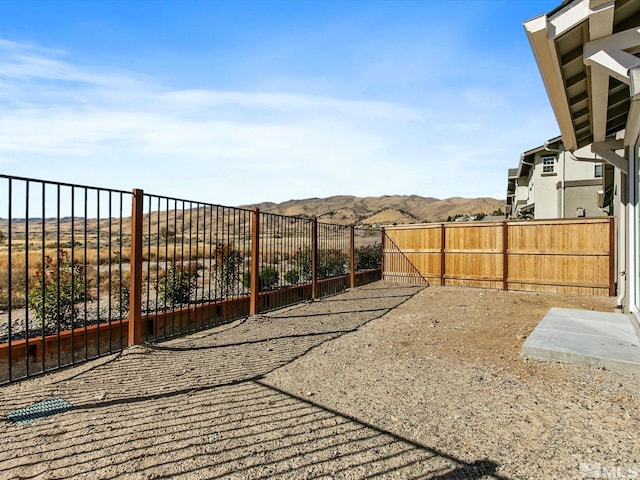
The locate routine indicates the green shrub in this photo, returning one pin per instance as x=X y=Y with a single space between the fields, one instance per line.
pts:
x=292 y=276
x=120 y=289
x=332 y=263
x=302 y=260
x=368 y=256
x=56 y=288
x=228 y=261
x=176 y=284
x=267 y=278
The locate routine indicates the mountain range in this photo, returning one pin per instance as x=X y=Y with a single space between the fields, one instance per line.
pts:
x=388 y=209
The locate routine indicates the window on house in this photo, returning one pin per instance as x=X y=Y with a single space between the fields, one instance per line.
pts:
x=548 y=164
x=597 y=170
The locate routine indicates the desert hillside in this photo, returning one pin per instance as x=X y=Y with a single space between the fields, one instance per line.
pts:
x=341 y=210
x=345 y=209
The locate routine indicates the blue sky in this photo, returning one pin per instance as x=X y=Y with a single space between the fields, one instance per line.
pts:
x=238 y=102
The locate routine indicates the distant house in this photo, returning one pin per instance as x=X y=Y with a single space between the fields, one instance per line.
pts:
x=494 y=218
x=551 y=182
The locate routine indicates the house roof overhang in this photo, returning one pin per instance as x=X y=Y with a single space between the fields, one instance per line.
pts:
x=584 y=49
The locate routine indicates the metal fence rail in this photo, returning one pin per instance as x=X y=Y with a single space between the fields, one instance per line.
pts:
x=86 y=271
x=193 y=255
x=334 y=252
x=284 y=260
x=63 y=292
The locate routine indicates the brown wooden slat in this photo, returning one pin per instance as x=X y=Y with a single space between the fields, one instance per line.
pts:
x=574 y=256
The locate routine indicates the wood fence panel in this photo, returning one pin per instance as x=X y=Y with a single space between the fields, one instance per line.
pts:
x=560 y=256
x=473 y=256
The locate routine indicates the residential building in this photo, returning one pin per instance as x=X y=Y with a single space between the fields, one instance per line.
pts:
x=587 y=54
x=551 y=183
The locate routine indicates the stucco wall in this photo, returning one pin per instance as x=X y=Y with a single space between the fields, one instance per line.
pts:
x=584 y=197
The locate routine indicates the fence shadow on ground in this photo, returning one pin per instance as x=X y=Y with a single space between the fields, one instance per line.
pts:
x=198 y=407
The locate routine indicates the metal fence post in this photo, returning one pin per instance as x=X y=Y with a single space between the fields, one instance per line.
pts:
x=255 y=259
x=352 y=248
x=135 y=278
x=314 y=258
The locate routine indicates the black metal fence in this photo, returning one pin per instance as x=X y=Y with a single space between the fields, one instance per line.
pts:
x=63 y=264
x=334 y=258
x=86 y=271
x=193 y=255
x=284 y=260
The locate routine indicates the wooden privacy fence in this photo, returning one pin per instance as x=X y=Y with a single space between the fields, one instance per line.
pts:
x=561 y=256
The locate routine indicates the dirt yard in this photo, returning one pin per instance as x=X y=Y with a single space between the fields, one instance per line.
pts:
x=385 y=381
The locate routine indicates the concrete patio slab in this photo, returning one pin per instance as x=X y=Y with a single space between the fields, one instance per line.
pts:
x=583 y=336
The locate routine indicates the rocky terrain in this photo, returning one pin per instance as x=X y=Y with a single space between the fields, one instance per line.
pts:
x=384 y=381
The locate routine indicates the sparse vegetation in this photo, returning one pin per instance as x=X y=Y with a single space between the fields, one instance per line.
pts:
x=167 y=234
x=368 y=256
x=332 y=263
x=120 y=294
x=268 y=278
x=176 y=284
x=292 y=276
x=228 y=263
x=453 y=219
x=56 y=288
x=302 y=261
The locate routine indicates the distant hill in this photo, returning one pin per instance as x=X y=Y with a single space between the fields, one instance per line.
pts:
x=346 y=209
x=341 y=210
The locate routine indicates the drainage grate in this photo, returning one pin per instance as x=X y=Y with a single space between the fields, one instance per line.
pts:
x=39 y=410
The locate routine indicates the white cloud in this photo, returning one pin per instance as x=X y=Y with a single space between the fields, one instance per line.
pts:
x=286 y=102
x=95 y=126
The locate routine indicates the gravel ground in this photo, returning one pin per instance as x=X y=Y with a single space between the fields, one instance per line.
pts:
x=384 y=381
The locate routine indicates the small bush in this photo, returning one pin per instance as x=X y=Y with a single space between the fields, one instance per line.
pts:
x=368 y=256
x=176 y=284
x=292 y=276
x=267 y=278
x=56 y=288
x=120 y=289
x=228 y=262
x=332 y=263
x=302 y=259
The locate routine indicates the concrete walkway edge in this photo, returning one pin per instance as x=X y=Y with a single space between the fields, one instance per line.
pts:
x=582 y=336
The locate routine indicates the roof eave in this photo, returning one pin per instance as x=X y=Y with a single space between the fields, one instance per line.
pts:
x=537 y=30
